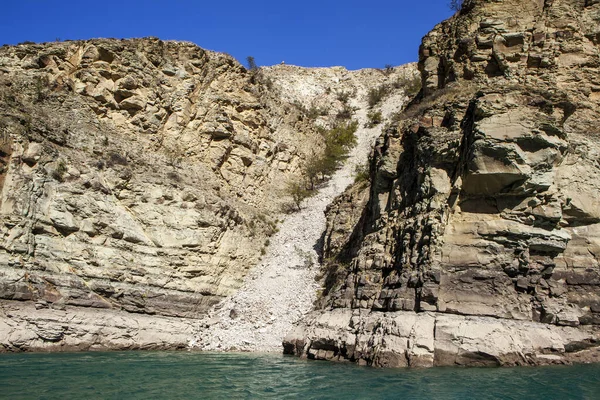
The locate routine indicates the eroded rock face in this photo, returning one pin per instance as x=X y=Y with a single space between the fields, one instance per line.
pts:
x=423 y=339
x=482 y=212
x=141 y=179
x=138 y=175
x=42 y=326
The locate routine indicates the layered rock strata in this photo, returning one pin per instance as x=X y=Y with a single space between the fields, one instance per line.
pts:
x=26 y=326
x=138 y=175
x=283 y=288
x=142 y=179
x=477 y=241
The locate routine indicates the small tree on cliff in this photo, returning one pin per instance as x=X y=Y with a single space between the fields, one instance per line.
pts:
x=299 y=192
x=251 y=63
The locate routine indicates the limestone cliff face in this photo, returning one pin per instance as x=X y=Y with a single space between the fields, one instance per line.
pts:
x=137 y=175
x=478 y=239
x=140 y=181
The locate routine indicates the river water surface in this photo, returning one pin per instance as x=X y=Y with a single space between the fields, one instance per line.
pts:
x=184 y=375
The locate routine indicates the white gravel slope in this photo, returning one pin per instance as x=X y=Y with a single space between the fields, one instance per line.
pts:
x=282 y=288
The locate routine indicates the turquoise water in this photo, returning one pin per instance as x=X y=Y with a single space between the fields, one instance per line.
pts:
x=182 y=375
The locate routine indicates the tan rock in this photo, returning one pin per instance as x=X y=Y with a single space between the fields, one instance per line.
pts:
x=150 y=179
x=489 y=216
x=401 y=339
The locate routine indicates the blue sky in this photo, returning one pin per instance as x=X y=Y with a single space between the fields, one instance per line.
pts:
x=355 y=34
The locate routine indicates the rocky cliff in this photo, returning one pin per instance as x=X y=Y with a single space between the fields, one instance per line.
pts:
x=477 y=241
x=284 y=286
x=138 y=175
x=140 y=181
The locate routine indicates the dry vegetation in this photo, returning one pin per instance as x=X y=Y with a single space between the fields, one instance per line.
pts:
x=339 y=140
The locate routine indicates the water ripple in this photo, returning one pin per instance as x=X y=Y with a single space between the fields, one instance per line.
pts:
x=179 y=375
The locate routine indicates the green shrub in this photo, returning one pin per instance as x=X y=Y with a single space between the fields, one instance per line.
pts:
x=410 y=83
x=343 y=96
x=298 y=192
x=375 y=118
x=361 y=173
x=345 y=113
x=377 y=94
x=313 y=112
x=341 y=136
x=339 y=140
x=314 y=170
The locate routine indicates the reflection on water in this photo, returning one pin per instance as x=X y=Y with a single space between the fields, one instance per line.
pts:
x=173 y=375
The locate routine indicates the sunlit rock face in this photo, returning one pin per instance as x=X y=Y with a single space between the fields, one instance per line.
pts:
x=480 y=229
x=141 y=179
x=137 y=175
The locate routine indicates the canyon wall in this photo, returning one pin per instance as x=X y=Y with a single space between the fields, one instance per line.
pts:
x=477 y=240
x=140 y=181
